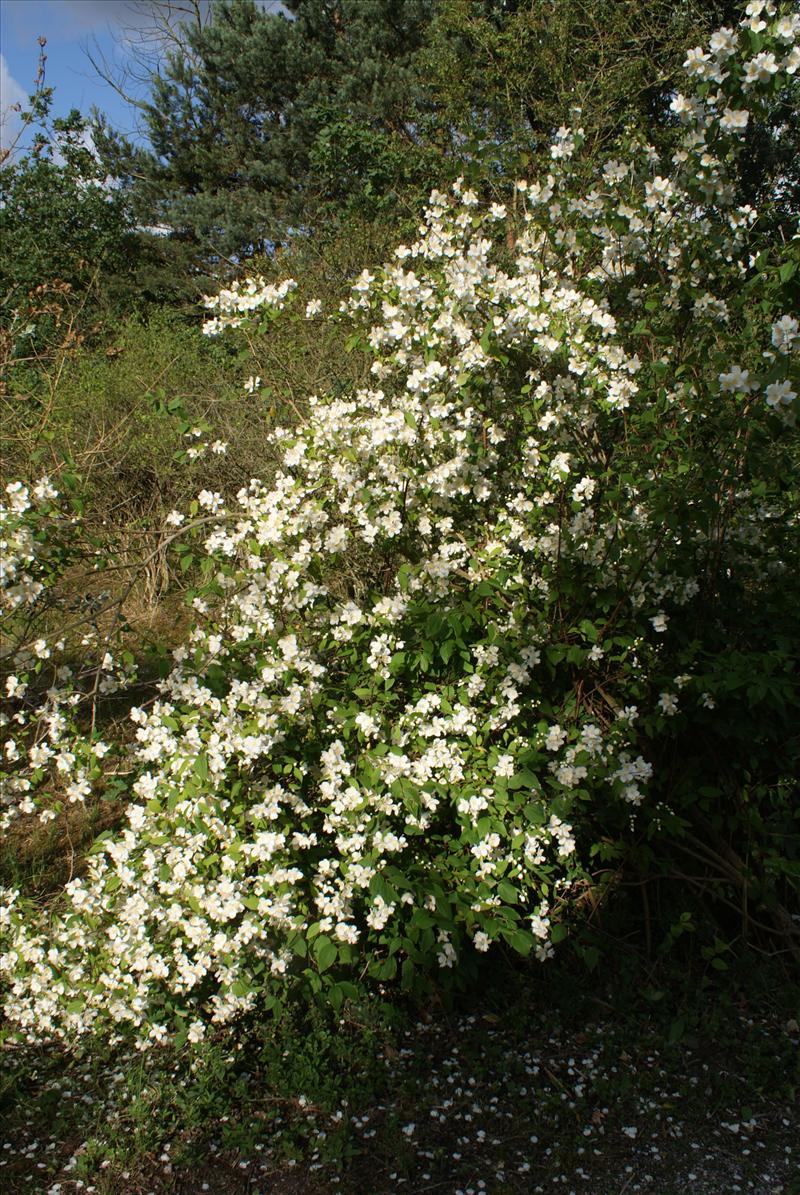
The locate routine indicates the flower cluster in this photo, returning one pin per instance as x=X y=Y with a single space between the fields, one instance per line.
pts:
x=234 y=305
x=21 y=583
x=49 y=763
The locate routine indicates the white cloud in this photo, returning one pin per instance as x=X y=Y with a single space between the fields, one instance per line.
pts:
x=11 y=94
x=97 y=16
x=84 y=16
x=62 y=21
x=73 y=20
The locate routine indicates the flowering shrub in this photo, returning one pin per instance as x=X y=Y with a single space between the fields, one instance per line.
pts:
x=436 y=660
x=51 y=761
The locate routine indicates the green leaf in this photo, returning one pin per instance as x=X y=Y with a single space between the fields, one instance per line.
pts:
x=407 y=975
x=676 y=1030
x=201 y=767
x=325 y=952
x=335 y=996
x=519 y=940
x=524 y=779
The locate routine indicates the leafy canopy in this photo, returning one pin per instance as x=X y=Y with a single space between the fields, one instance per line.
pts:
x=259 y=124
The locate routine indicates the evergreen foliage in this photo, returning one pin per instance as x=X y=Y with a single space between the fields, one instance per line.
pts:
x=269 y=122
x=260 y=124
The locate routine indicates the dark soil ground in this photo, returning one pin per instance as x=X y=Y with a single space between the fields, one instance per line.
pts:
x=562 y=1085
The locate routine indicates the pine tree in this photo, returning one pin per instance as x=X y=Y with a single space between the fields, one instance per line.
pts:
x=262 y=124
x=266 y=123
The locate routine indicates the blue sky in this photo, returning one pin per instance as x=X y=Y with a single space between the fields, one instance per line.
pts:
x=108 y=29
x=70 y=27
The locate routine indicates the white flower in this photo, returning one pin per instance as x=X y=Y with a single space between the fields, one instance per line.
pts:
x=660 y=623
x=737 y=381
x=682 y=106
x=760 y=69
x=336 y=539
x=314 y=307
x=366 y=724
x=791 y=63
x=560 y=466
x=481 y=941
x=44 y=490
x=540 y=924
x=785 y=333
x=584 y=490
x=18 y=495
x=734 y=120
x=555 y=738
x=614 y=171
x=658 y=192
x=723 y=43
x=504 y=766
x=788 y=28
x=210 y=501
x=779 y=394
x=697 y=62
